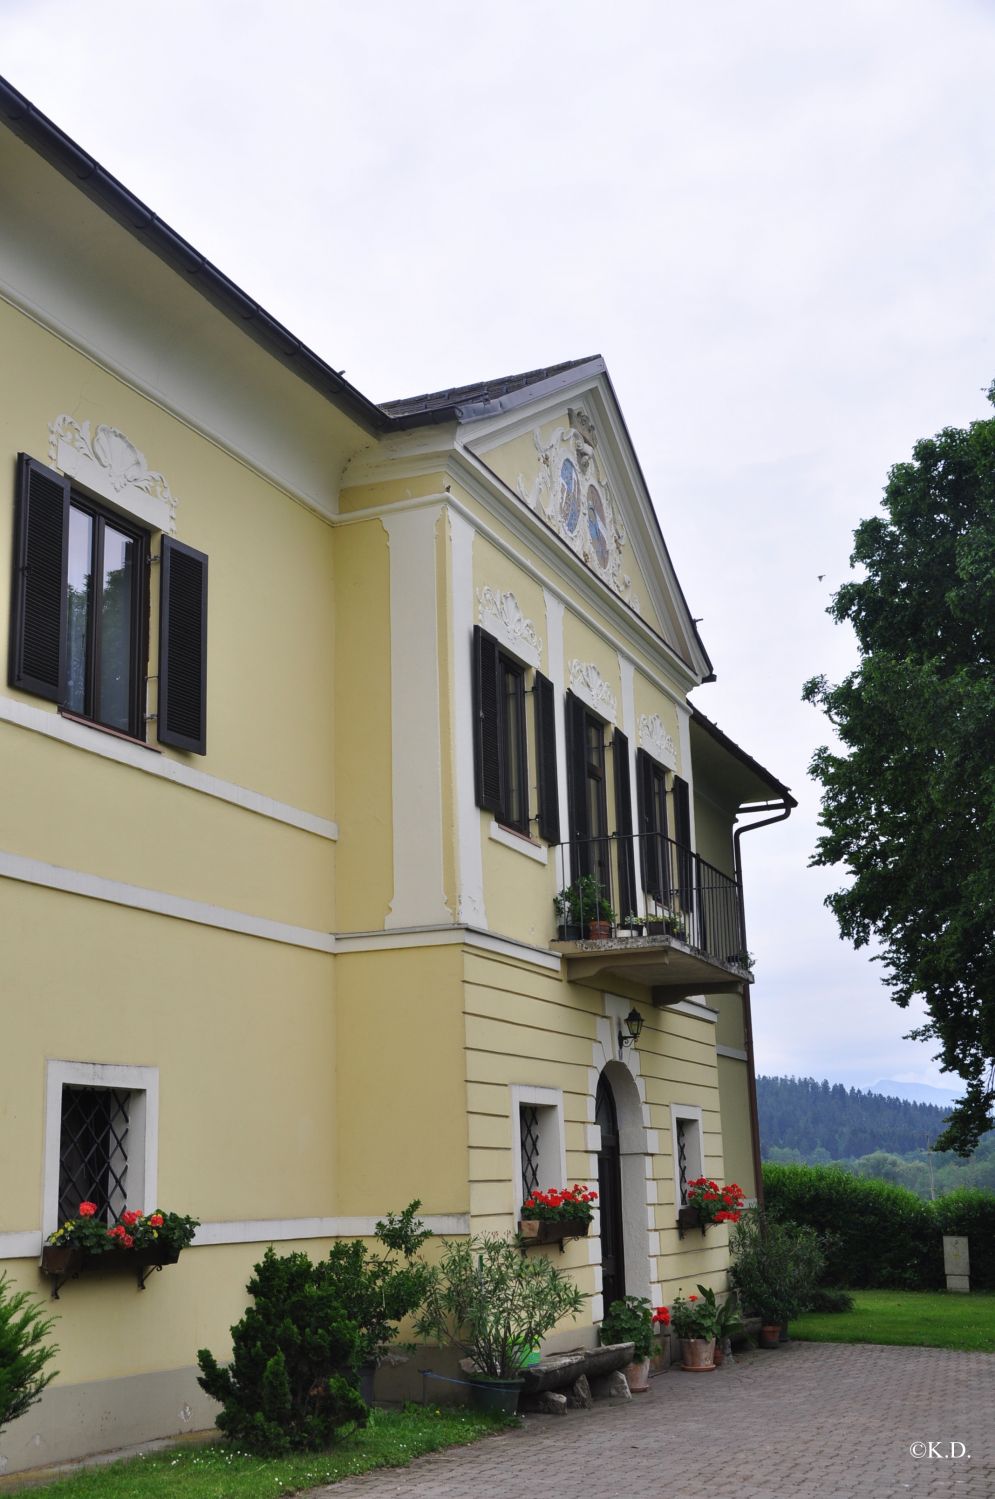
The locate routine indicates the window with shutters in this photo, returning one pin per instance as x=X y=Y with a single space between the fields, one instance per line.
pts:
x=652 y=798
x=502 y=777
x=80 y=613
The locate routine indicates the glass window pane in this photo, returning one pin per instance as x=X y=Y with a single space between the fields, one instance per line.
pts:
x=80 y=597
x=116 y=615
x=514 y=798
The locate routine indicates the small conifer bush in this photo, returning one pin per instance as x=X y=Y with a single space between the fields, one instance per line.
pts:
x=24 y=1352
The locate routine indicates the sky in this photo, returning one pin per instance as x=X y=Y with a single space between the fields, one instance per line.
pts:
x=775 y=221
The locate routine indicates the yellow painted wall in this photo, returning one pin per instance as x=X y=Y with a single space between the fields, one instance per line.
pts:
x=363 y=729
x=401 y=1100
x=738 y=1151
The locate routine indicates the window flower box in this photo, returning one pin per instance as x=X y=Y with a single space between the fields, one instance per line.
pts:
x=552 y=1231
x=137 y=1242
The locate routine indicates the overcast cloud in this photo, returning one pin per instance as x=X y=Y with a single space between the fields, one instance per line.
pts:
x=776 y=221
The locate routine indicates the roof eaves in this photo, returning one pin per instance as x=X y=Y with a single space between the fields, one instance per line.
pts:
x=469 y=409
x=45 y=137
x=732 y=748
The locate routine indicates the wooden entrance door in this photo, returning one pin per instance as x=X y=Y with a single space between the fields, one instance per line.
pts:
x=610 y=1195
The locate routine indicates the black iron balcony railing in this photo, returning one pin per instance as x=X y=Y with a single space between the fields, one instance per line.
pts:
x=642 y=884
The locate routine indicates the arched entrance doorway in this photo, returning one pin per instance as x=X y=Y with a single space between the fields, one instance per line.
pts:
x=610 y=1194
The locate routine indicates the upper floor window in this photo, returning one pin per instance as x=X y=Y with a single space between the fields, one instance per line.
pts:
x=79 y=613
x=106 y=623
x=502 y=779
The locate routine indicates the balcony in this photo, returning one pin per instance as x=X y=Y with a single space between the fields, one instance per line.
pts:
x=644 y=908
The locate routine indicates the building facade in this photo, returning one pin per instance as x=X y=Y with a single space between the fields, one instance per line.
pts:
x=313 y=709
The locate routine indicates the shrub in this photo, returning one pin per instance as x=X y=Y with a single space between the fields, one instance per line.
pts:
x=493 y=1303
x=376 y=1291
x=830 y=1299
x=875 y=1234
x=23 y=1352
x=629 y=1321
x=291 y=1383
x=775 y=1267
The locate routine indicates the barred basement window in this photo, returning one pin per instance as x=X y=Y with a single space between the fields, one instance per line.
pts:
x=101 y=1139
x=682 y=1163
x=688 y=1155
x=539 y=1158
x=93 y=1151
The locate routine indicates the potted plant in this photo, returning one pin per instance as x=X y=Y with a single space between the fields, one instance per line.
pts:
x=632 y=925
x=137 y=1241
x=667 y=924
x=558 y=1214
x=631 y=1320
x=775 y=1268
x=583 y=910
x=695 y=1319
x=708 y=1203
x=727 y=1322
x=494 y=1305
x=377 y=1290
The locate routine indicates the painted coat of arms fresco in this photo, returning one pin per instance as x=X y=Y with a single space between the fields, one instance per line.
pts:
x=572 y=494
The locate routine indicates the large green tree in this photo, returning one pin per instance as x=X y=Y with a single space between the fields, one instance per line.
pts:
x=908 y=803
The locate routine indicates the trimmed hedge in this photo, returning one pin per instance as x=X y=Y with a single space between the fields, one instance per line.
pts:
x=878 y=1235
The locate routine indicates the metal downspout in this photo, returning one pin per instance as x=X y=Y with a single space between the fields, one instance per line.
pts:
x=751 y=1071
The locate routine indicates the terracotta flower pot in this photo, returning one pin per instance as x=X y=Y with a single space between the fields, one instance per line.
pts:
x=770 y=1335
x=599 y=931
x=637 y=1376
x=697 y=1354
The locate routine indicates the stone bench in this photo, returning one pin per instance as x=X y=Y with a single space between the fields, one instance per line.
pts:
x=576 y=1379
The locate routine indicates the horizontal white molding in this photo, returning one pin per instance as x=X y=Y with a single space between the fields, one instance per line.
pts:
x=21 y=1246
x=28 y=1244
x=159 y=903
x=95 y=742
x=519 y=842
x=737 y=1054
x=444 y=936
x=274 y=1230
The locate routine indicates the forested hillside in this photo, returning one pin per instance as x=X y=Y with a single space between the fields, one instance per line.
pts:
x=825 y=1121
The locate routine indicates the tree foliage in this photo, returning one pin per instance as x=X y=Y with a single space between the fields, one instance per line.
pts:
x=23 y=1352
x=908 y=804
x=802 y=1114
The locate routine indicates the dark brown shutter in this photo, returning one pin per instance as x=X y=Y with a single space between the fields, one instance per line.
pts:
x=652 y=842
x=486 y=723
x=182 y=718
x=549 y=791
x=577 y=768
x=682 y=837
x=39 y=595
x=623 y=825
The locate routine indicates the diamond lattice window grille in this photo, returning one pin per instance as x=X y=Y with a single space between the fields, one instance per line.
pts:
x=93 y=1152
x=682 y=1162
x=529 y=1120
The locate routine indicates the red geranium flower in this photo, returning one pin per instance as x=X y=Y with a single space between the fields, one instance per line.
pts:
x=156 y=1220
x=130 y=1218
x=87 y=1209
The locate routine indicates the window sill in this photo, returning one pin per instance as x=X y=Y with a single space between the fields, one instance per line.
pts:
x=102 y=728
x=520 y=842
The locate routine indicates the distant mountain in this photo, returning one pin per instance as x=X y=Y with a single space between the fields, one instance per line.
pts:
x=825 y=1121
x=916 y=1092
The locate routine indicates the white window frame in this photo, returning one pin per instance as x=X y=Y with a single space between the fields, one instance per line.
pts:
x=143 y=1129
x=687 y=1114
x=552 y=1149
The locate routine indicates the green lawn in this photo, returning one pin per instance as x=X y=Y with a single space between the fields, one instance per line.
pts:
x=915 y=1319
x=391 y=1439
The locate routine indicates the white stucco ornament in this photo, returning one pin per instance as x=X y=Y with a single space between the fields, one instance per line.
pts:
x=655 y=740
x=587 y=682
x=572 y=493
x=111 y=465
x=501 y=614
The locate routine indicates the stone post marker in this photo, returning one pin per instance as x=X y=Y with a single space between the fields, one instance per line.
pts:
x=956 y=1263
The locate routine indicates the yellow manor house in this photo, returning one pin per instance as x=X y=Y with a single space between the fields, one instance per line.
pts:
x=354 y=817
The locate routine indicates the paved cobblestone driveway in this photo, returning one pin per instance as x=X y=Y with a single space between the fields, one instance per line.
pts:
x=818 y=1421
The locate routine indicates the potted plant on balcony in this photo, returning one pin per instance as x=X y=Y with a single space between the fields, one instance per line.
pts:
x=694 y=1320
x=631 y=1320
x=494 y=1305
x=664 y=923
x=584 y=911
x=560 y=1213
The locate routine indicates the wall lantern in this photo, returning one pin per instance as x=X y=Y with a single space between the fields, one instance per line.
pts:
x=633 y=1023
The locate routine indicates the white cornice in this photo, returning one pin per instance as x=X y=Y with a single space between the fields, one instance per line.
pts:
x=501 y=615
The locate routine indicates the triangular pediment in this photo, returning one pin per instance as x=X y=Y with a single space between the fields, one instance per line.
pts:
x=566 y=454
